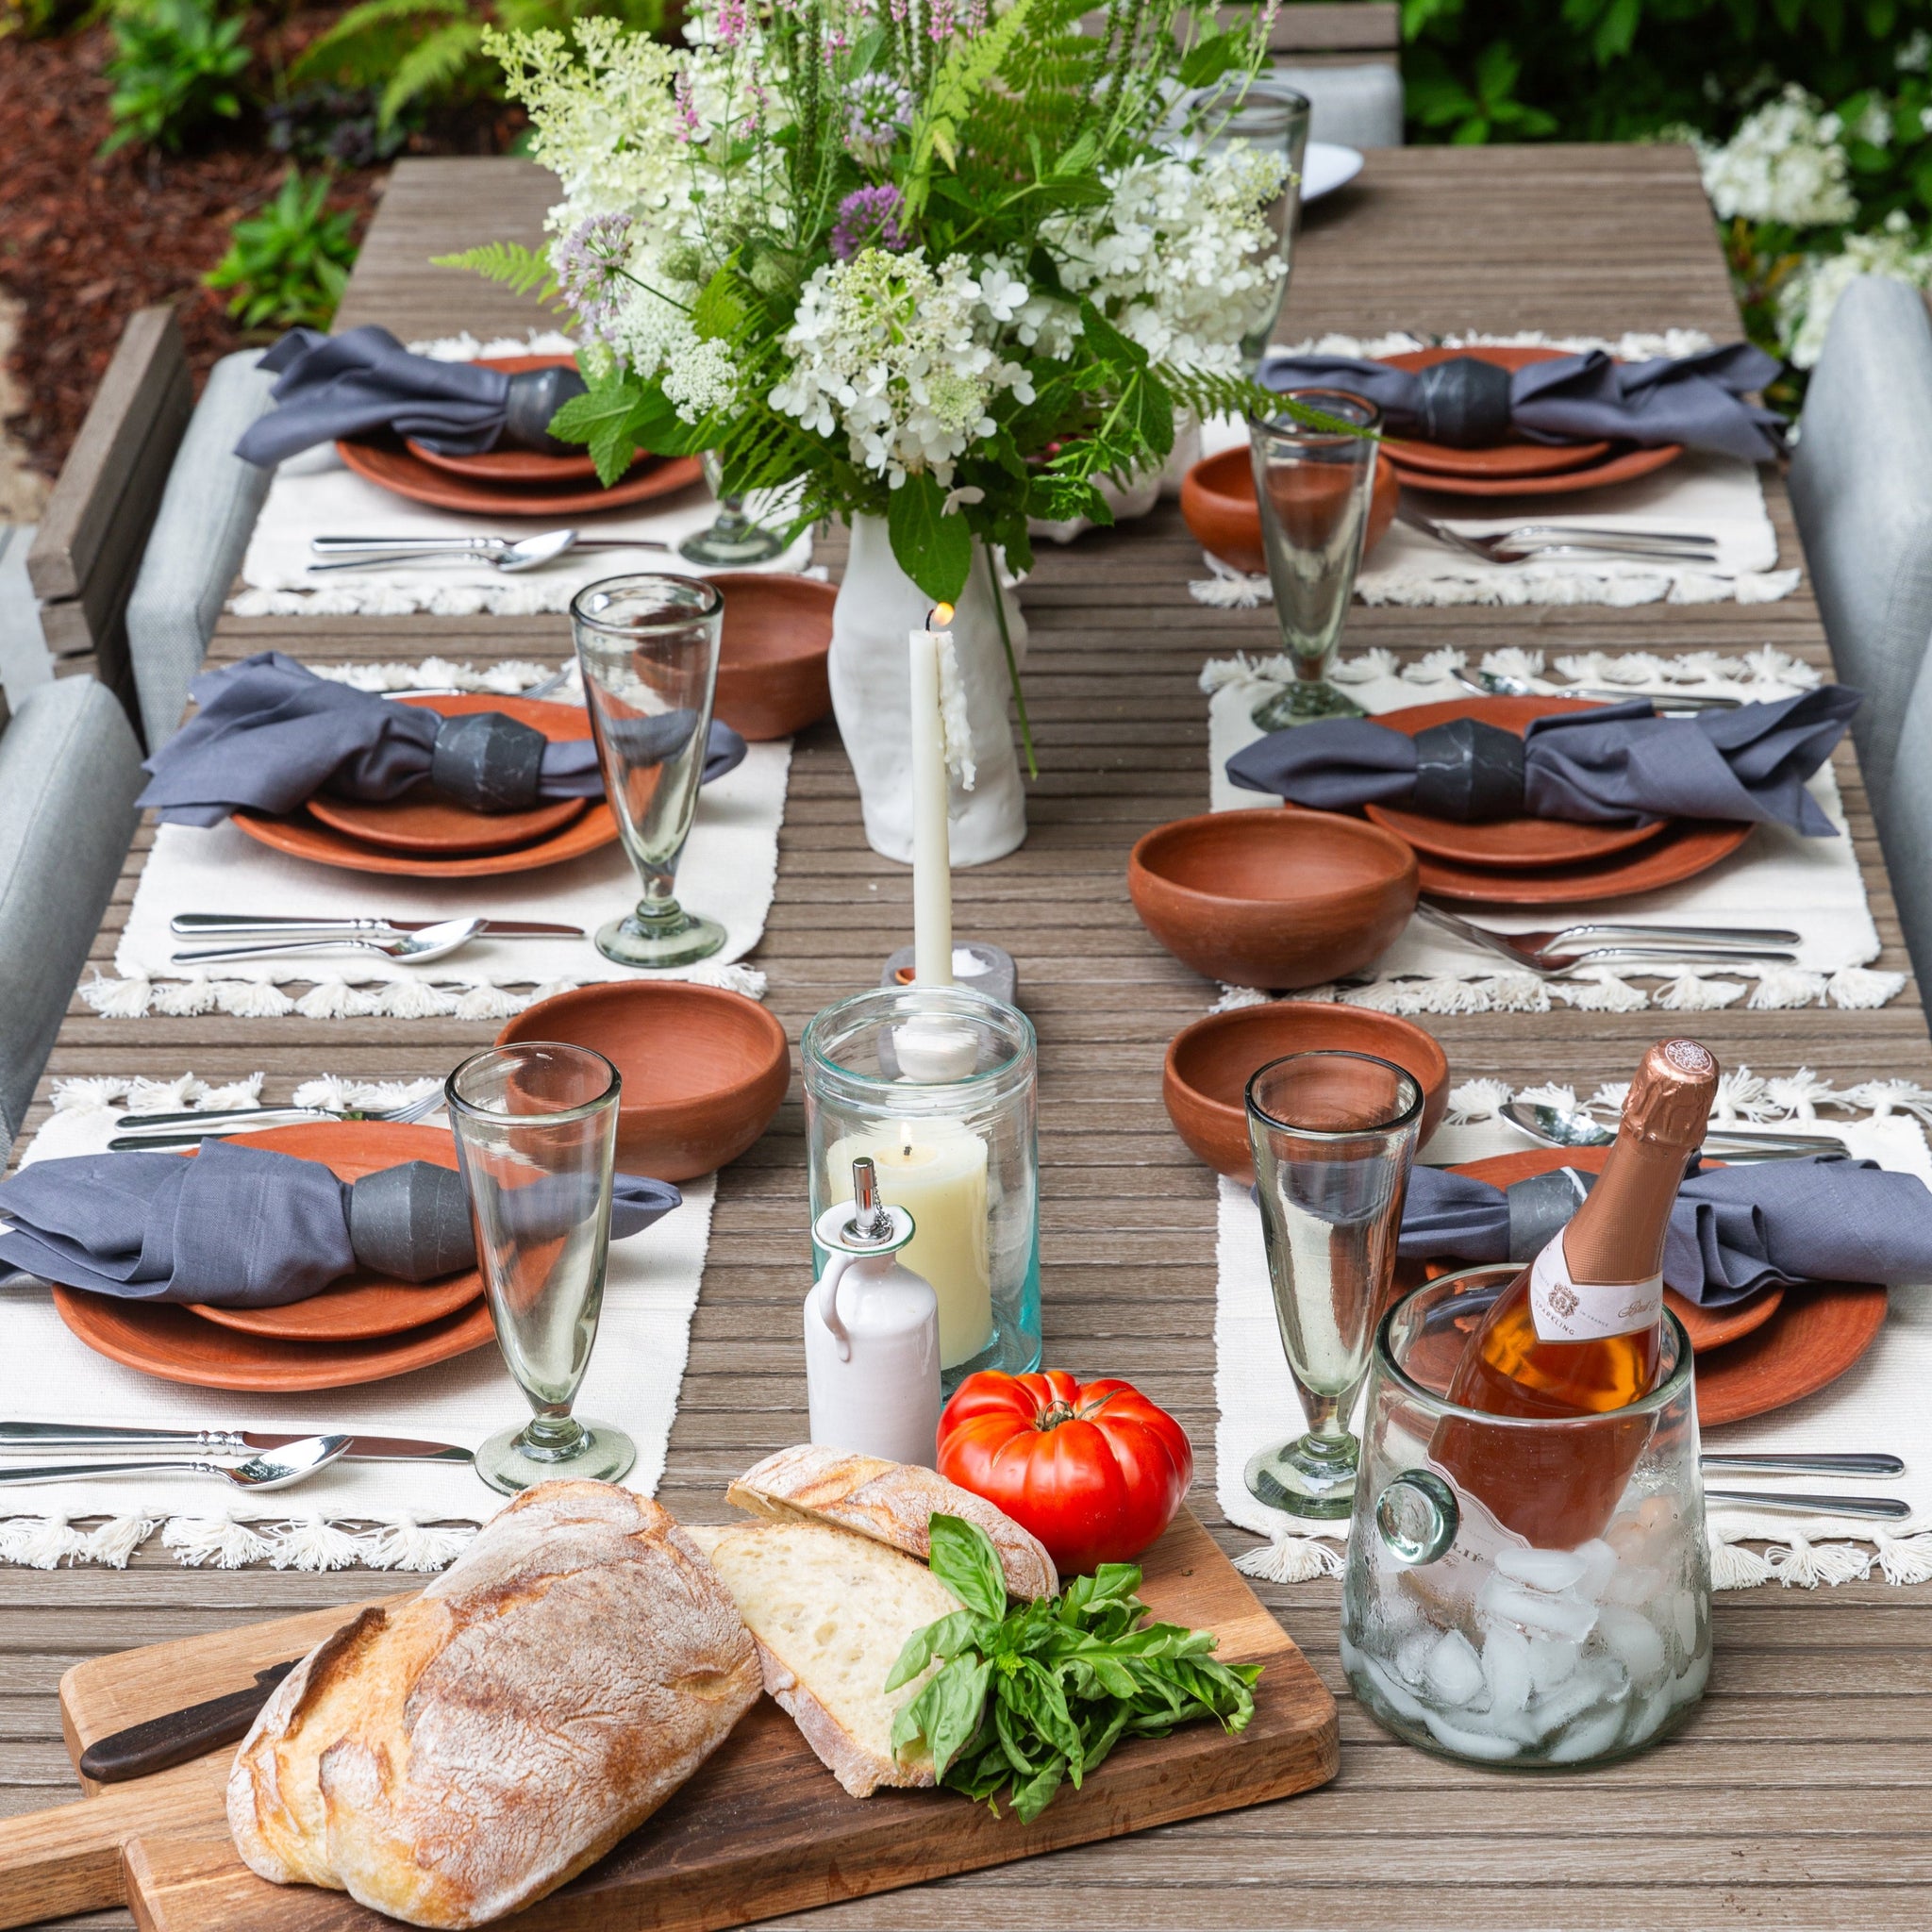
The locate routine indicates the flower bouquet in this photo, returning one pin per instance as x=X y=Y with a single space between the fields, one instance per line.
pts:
x=935 y=266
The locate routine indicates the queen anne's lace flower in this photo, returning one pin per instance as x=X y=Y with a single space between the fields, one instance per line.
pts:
x=1784 y=164
x=700 y=376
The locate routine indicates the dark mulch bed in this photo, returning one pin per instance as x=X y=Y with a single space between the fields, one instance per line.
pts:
x=84 y=241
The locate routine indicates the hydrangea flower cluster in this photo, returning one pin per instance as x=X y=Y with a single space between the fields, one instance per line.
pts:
x=1807 y=297
x=902 y=357
x=1784 y=164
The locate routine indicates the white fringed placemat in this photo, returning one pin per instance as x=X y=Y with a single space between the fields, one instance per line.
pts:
x=1777 y=877
x=728 y=870
x=1878 y=1405
x=388 y=1515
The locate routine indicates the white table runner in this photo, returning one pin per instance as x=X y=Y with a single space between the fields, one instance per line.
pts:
x=378 y=1513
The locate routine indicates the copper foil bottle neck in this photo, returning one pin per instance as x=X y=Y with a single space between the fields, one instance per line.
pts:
x=1671 y=1098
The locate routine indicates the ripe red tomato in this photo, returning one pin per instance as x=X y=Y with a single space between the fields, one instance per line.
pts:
x=1094 y=1469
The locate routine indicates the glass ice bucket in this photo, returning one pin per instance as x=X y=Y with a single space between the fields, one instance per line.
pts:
x=1523 y=1592
x=938 y=1086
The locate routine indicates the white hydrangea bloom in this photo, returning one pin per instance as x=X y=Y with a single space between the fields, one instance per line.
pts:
x=1807 y=297
x=904 y=358
x=1785 y=163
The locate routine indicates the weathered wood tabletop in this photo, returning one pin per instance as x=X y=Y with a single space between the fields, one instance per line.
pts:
x=1798 y=1795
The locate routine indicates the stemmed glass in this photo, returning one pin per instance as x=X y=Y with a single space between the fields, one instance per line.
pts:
x=1314 y=481
x=1334 y=1135
x=732 y=536
x=648 y=650
x=536 y=1133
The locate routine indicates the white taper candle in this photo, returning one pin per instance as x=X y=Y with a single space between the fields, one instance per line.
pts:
x=932 y=883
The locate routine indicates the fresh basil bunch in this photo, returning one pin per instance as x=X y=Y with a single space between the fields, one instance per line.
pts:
x=1040 y=1695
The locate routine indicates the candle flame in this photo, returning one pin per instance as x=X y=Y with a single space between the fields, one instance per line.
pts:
x=940 y=617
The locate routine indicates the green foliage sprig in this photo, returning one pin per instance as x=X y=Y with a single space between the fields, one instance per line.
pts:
x=1030 y=1700
x=175 y=66
x=289 y=264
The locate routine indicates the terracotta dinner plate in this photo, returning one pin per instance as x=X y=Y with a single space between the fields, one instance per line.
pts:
x=394 y=467
x=1688 y=847
x=511 y=466
x=364 y=1305
x=1511 y=845
x=1518 y=457
x=421 y=822
x=1623 y=465
x=1807 y=1339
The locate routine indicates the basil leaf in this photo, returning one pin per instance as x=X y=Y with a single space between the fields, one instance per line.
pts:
x=965 y=1560
x=947 y=1638
x=1032 y=1797
x=955 y=1701
x=1047 y=1708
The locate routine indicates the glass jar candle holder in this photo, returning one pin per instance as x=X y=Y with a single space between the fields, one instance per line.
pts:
x=937 y=1085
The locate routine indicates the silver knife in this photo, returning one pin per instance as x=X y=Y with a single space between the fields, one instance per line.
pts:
x=188 y=925
x=38 y=1435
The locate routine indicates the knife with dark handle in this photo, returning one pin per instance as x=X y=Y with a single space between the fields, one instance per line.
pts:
x=173 y=1739
x=38 y=1435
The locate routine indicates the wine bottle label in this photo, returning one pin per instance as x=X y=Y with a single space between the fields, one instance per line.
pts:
x=1566 y=1309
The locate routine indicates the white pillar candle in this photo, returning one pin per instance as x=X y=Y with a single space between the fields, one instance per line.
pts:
x=935 y=1170
x=932 y=884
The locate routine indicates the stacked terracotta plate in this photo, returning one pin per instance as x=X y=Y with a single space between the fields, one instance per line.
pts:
x=1517 y=468
x=1528 y=862
x=363 y=1328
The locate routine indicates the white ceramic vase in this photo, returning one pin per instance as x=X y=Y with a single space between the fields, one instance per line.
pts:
x=872 y=695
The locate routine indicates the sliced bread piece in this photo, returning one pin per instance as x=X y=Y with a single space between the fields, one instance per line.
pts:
x=889 y=1501
x=830 y=1612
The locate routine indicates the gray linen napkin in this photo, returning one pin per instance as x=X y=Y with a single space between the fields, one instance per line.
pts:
x=1734 y=1229
x=270 y=734
x=1617 y=764
x=246 y=1227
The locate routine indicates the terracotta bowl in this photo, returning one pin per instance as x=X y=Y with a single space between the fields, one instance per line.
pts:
x=772 y=676
x=1218 y=504
x=1273 y=898
x=1209 y=1062
x=704 y=1070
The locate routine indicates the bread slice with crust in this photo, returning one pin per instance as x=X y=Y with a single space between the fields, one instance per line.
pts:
x=830 y=1612
x=891 y=1501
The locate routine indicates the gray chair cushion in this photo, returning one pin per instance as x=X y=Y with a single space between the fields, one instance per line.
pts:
x=200 y=533
x=70 y=771
x=24 y=660
x=1355 y=106
x=1861 y=485
x=1906 y=830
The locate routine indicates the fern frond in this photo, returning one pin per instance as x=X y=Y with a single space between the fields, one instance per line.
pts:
x=521 y=270
x=361 y=46
x=434 y=63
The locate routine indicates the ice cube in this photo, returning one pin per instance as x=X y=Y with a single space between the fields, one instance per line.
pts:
x=1687 y=1687
x=1546 y=1569
x=1540 y=1614
x=1551 y=1661
x=1482 y=1744
x=1633 y=1583
x=1412 y=1657
x=1683 y=1620
x=1454 y=1672
x=1507 y=1666
x=1380 y=1682
x=1633 y=1640
x=1599 y=1561
x=1650 y=1714
x=1589 y=1737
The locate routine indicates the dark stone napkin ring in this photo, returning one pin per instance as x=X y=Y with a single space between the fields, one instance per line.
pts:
x=1463 y=403
x=1539 y=1204
x=533 y=397
x=488 y=761
x=1468 y=771
x=411 y=1221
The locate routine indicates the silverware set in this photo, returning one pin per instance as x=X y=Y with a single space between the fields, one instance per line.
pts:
x=414 y=940
x=1536 y=542
x=1876 y=1508
x=268 y=1461
x=1570 y=948
x=510 y=555
x=146 y=1131
x=1557 y=1126
x=1493 y=684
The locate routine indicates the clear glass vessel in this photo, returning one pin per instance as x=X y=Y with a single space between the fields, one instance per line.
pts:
x=648 y=650
x=733 y=538
x=956 y=1146
x=536 y=1133
x=1333 y=1136
x=1314 y=486
x=1461 y=1636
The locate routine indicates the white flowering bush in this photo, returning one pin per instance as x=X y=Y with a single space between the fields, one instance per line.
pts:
x=1784 y=165
x=1807 y=297
x=946 y=261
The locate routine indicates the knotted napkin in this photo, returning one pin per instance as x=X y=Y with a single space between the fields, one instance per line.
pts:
x=246 y=1227
x=1615 y=764
x=1469 y=404
x=270 y=734
x=1733 y=1230
x=364 y=379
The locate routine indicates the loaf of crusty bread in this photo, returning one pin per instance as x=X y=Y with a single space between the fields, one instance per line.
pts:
x=454 y=1759
x=831 y=1611
x=889 y=1501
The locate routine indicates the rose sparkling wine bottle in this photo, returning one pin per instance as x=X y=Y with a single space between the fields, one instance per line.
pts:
x=1580 y=1330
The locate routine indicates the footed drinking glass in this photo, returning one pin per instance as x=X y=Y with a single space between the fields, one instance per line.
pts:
x=732 y=538
x=648 y=649
x=1333 y=1134
x=536 y=1133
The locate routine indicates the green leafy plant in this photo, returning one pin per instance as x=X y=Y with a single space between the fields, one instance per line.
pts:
x=289 y=264
x=1026 y=1701
x=175 y=66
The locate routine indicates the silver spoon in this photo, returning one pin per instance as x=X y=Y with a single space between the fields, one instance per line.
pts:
x=274 y=1469
x=416 y=948
x=526 y=553
x=1493 y=684
x=1557 y=1126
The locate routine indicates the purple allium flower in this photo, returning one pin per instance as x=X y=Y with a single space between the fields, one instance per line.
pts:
x=590 y=263
x=877 y=111
x=869 y=218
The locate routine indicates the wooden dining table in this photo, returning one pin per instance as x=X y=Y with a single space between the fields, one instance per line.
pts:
x=1800 y=1795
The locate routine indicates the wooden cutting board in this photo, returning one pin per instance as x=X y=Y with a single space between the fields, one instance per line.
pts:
x=762 y=1829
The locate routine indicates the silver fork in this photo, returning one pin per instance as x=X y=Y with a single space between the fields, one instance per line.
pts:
x=1493 y=684
x=1527 y=540
x=1554 y=953
x=190 y=1129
